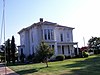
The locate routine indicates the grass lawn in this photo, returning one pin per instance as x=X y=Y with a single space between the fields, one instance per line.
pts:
x=76 y=66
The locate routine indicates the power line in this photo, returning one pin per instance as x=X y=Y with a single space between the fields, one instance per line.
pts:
x=84 y=41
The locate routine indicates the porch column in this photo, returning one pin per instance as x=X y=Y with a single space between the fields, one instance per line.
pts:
x=56 y=50
x=61 y=49
x=77 y=49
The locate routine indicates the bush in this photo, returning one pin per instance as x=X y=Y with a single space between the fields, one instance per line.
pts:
x=2 y=58
x=36 y=59
x=29 y=58
x=52 y=59
x=85 y=54
x=22 y=57
x=67 y=57
x=60 y=57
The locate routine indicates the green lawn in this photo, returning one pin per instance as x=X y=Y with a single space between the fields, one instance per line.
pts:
x=78 y=66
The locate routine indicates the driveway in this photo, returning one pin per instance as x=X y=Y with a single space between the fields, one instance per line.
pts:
x=6 y=71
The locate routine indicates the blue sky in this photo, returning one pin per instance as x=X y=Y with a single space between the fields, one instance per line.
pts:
x=83 y=15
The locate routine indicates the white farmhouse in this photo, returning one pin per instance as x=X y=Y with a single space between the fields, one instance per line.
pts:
x=58 y=37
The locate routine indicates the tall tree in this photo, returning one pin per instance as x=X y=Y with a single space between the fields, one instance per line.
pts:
x=2 y=52
x=8 y=51
x=44 y=52
x=13 y=49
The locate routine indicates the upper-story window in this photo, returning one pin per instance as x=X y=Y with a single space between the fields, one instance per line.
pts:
x=45 y=34
x=22 y=39
x=68 y=36
x=61 y=37
x=32 y=36
x=48 y=34
x=33 y=49
x=52 y=34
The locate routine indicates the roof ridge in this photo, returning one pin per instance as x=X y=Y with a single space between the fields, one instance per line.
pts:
x=43 y=23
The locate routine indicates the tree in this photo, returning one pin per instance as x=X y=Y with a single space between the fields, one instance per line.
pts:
x=2 y=53
x=85 y=48
x=13 y=49
x=94 y=44
x=44 y=52
x=22 y=56
x=8 y=51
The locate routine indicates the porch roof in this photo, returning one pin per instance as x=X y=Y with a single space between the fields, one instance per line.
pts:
x=67 y=43
x=21 y=46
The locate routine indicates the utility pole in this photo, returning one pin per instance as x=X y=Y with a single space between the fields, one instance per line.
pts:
x=3 y=24
x=3 y=30
x=84 y=41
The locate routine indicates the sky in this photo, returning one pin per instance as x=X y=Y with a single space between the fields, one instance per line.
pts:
x=83 y=15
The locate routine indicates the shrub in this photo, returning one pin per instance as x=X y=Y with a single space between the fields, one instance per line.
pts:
x=52 y=59
x=67 y=57
x=60 y=57
x=29 y=58
x=2 y=58
x=22 y=57
x=37 y=59
x=85 y=54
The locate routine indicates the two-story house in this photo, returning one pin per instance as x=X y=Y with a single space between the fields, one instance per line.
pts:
x=58 y=37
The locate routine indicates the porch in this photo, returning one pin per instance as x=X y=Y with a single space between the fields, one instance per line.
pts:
x=67 y=49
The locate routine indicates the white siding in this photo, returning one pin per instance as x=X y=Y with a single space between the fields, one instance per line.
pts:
x=37 y=33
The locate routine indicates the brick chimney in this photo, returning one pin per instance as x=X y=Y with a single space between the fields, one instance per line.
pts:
x=41 y=19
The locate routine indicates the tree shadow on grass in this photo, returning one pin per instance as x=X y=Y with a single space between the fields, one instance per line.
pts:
x=16 y=64
x=90 y=66
x=29 y=71
x=26 y=71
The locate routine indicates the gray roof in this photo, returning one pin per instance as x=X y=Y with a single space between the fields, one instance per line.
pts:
x=43 y=23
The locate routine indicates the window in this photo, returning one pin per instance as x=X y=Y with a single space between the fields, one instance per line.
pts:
x=50 y=46
x=62 y=49
x=68 y=35
x=45 y=34
x=21 y=50
x=22 y=39
x=52 y=35
x=53 y=47
x=32 y=36
x=48 y=34
x=33 y=49
x=61 y=36
x=42 y=34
